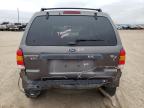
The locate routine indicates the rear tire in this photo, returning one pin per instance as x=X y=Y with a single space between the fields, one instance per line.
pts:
x=110 y=90
x=32 y=93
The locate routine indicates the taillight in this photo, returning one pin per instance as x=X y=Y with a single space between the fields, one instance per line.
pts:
x=20 y=59
x=122 y=57
x=71 y=12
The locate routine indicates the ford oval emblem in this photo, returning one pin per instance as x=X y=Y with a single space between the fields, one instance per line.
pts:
x=72 y=50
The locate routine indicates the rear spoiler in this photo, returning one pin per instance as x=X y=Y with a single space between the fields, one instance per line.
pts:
x=98 y=10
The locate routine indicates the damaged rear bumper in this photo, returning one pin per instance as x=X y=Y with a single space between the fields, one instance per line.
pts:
x=67 y=84
x=73 y=83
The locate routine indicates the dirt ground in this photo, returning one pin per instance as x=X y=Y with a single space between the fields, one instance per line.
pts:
x=130 y=94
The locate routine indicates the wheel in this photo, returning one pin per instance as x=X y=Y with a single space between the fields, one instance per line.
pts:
x=32 y=93
x=110 y=90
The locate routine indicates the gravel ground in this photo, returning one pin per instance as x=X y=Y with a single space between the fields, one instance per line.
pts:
x=130 y=94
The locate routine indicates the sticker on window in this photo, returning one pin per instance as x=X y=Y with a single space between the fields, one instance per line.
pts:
x=64 y=33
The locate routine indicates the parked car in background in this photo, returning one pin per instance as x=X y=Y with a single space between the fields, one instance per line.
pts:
x=119 y=27
x=23 y=26
x=4 y=26
x=11 y=27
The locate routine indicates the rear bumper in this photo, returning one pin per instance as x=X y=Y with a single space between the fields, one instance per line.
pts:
x=85 y=81
x=67 y=84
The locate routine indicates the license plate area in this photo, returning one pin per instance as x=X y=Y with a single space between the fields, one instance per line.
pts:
x=71 y=66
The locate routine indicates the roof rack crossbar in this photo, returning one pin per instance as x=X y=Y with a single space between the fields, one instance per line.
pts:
x=99 y=10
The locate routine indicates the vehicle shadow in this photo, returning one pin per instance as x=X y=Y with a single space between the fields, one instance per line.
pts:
x=58 y=98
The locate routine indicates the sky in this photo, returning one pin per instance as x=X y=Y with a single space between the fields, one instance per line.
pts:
x=121 y=11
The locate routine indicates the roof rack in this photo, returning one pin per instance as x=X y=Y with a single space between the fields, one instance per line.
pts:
x=99 y=10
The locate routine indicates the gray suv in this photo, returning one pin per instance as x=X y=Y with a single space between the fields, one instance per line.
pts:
x=76 y=48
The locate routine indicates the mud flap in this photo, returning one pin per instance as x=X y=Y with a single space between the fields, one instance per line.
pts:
x=117 y=79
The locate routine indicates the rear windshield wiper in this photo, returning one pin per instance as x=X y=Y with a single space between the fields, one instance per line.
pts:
x=83 y=40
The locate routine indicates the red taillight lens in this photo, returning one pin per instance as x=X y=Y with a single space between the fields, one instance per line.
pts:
x=71 y=12
x=19 y=57
x=122 y=57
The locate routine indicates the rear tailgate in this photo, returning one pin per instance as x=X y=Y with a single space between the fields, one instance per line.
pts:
x=47 y=52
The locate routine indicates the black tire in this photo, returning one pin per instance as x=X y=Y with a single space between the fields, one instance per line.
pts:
x=110 y=90
x=32 y=93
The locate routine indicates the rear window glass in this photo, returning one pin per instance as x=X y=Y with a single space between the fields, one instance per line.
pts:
x=62 y=30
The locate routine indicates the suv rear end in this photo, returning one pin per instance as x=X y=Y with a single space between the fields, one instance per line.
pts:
x=72 y=48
